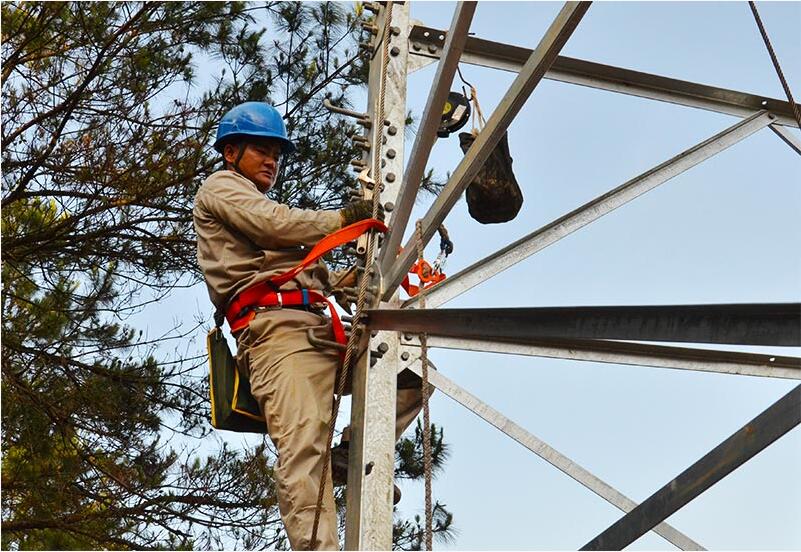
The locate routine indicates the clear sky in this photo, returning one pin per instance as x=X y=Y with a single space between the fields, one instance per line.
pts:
x=727 y=231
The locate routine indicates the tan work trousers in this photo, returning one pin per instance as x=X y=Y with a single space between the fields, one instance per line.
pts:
x=293 y=382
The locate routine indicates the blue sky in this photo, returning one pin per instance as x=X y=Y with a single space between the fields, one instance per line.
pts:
x=727 y=231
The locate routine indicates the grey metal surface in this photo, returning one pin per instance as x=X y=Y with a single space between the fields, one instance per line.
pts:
x=427 y=131
x=788 y=137
x=773 y=324
x=546 y=452
x=539 y=61
x=551 y=233
x=743 y=445
x=606 y=77
x=369 y=514
x=635 y=354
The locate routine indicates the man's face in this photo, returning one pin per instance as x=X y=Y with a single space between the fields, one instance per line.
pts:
x=259 y=162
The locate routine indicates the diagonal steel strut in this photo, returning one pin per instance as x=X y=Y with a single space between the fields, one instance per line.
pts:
x=427 y=131
x=548 y=453
x=776 y=324
x=788 y=137
x=743 y=445
x=538 y=63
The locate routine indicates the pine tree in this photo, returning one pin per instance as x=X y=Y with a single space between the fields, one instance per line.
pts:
x=109 y=111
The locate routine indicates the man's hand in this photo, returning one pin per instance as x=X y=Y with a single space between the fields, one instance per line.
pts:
x=359 y=210
x=346 y=278
x=342 y=301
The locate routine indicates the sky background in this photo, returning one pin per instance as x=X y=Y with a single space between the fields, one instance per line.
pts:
x=726 y=231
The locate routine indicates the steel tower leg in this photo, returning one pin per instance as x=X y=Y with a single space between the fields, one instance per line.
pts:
x=368 y=521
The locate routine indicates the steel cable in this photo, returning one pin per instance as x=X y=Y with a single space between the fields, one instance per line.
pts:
x=775 y=61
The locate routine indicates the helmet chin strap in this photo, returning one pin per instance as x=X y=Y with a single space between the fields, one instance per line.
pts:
x=235 y=164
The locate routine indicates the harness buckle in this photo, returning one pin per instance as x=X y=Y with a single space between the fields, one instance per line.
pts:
x=280 y=299
x=265 y=308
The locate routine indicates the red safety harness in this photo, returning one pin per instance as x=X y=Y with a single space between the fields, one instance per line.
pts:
x=268 y=293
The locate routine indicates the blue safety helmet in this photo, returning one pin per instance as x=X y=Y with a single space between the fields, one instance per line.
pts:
x=253 y=119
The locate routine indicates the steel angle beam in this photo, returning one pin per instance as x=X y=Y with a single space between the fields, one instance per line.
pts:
x=530 y=75
x=546 y=452
x=427 y=132
x=776 y=324
x=426 y=42
x=551 y=233
x=369 y=512
x=743 y=445
x=788 y=137
x=634 y=354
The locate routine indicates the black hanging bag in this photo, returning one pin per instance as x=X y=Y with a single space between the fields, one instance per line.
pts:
x=494 y=195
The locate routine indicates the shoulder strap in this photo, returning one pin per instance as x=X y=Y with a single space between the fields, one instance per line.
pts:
x=331 y=241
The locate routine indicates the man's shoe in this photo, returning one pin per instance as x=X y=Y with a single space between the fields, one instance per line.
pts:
x=396 y=494
x=339 y=469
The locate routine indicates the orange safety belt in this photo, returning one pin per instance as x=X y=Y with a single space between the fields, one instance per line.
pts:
x=268 y=294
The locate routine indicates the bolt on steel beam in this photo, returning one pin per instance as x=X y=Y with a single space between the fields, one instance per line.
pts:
x=774 y=324
x=565 y=225
x=606 y=77
x=633 y=354
x=732 y=453
x=427 y=132
x=540 y=60
x=546 y=452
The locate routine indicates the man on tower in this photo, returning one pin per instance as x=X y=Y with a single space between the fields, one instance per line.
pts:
x=245 y=239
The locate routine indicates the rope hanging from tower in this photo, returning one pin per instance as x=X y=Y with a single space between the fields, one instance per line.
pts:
x=427 y=460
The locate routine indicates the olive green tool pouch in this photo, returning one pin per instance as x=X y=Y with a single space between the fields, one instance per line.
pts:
x=232 y=405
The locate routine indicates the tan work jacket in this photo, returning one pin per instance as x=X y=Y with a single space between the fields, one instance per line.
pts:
x=244 y=238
